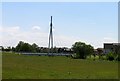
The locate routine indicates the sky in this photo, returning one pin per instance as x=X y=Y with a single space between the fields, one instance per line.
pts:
x=59 y=0
x=94 y=23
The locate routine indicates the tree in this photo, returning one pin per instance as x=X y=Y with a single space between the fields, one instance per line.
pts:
x=55 y=50
x=82 y=50
x=23 y=47
x=19 y=46
x=7 y=49
x=35 y=47
x=2 y=48
x=13 y=49
x=26 y=47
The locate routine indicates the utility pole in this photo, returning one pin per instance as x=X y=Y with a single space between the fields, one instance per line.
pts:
x=50 y=45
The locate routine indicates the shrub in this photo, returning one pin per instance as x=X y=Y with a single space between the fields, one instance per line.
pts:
x=96 y=57
x=90 y=57
x=117 y=58
x=75 y=56
x=110 y=56
x=103 y=57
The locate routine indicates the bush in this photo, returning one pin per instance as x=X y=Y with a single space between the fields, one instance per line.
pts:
x=90 y=57
x=103 y=57
x=96 y=57
x=110 y=56
x=75 y=56
x=117 y=58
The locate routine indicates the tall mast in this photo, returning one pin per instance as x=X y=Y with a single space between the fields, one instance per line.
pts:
x=50 y=46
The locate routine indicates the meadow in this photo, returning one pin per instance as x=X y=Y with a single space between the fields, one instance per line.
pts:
x=15 y=66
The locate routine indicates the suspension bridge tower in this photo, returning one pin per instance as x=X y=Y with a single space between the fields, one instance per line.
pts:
x=50 y=45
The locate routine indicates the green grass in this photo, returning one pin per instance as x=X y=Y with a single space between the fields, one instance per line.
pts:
x=58 y=67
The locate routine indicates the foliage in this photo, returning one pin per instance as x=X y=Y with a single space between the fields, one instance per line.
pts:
x=82 y=50
x=110 y=56
x=26 y=47
x=117 y=58
x=92 y=57
x=103 y=57
x=6 y=49
x=75 y=56
x=35 y=47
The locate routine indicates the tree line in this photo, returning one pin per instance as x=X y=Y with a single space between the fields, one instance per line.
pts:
x=79 y=50
x=34 y=48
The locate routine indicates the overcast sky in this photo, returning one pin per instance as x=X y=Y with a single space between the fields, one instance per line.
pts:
x=91 y=22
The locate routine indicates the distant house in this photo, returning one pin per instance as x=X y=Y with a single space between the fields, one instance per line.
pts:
x=95 y=51
x=111 y=47
x=98 y=51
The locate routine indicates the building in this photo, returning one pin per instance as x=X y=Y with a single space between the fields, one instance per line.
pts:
x=99 y=51
x=111 y=47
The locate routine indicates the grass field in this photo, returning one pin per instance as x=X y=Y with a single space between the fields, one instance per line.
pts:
x=58 y=67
